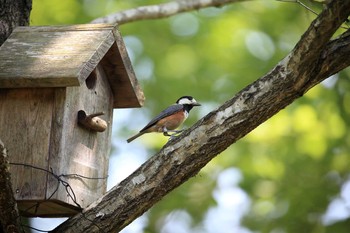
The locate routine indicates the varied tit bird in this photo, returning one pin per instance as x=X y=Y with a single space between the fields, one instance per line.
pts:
x=170 y=118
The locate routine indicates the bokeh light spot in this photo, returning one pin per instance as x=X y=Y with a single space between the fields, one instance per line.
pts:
x=184 y=25
x=260 y=45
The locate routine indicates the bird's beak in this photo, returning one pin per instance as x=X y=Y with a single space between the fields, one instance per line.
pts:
x=196 y=104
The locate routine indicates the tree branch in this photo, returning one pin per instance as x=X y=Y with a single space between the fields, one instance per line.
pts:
x=312 y=60
x=13 y=13
x=160 y=11
x=9 y=217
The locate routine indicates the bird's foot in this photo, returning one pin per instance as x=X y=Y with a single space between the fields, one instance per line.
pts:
x=166 y=134
x=173 y=136
x=175 y=133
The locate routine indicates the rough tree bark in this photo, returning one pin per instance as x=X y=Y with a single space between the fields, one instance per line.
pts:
x=8 y=208
x=12 y=13
x=313 y=59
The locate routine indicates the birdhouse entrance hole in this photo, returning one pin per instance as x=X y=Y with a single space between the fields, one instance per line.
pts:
x=91 y=80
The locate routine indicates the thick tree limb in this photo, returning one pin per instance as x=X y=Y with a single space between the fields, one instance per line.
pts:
x=160 y=11
x=312 y=60
x=9 y=217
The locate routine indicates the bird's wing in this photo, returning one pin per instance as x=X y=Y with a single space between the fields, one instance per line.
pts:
x=166 y=112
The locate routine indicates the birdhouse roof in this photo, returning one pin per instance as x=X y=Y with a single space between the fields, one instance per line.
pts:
x=62 y=56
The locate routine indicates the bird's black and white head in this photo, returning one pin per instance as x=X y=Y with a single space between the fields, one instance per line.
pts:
x=187 y=100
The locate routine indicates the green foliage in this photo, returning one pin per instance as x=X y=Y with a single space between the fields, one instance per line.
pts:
x=292 y=165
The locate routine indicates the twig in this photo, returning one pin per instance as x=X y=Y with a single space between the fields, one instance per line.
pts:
x=300 y=3
x=311 y=10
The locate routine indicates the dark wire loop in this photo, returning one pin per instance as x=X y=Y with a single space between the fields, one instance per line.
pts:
x=68 y=187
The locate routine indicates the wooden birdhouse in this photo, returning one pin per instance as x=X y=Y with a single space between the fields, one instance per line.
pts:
x=58 y=88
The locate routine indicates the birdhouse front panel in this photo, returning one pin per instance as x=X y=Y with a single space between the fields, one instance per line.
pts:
x=58 y=88
x=83 y=153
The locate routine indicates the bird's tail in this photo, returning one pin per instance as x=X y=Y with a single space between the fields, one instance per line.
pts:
x=134 y=137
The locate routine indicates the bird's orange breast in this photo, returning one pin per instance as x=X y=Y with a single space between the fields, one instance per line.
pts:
x=170 y=122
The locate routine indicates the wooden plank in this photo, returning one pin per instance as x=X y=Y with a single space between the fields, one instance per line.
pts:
x=53 y=56
x=122 y=78
x=25 y=125
x=63 y=56
x=80 y=150
x=65 y=28
x=50 y=208
x=97 y=56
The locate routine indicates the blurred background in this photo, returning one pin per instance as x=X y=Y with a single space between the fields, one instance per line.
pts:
x=291 y=174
